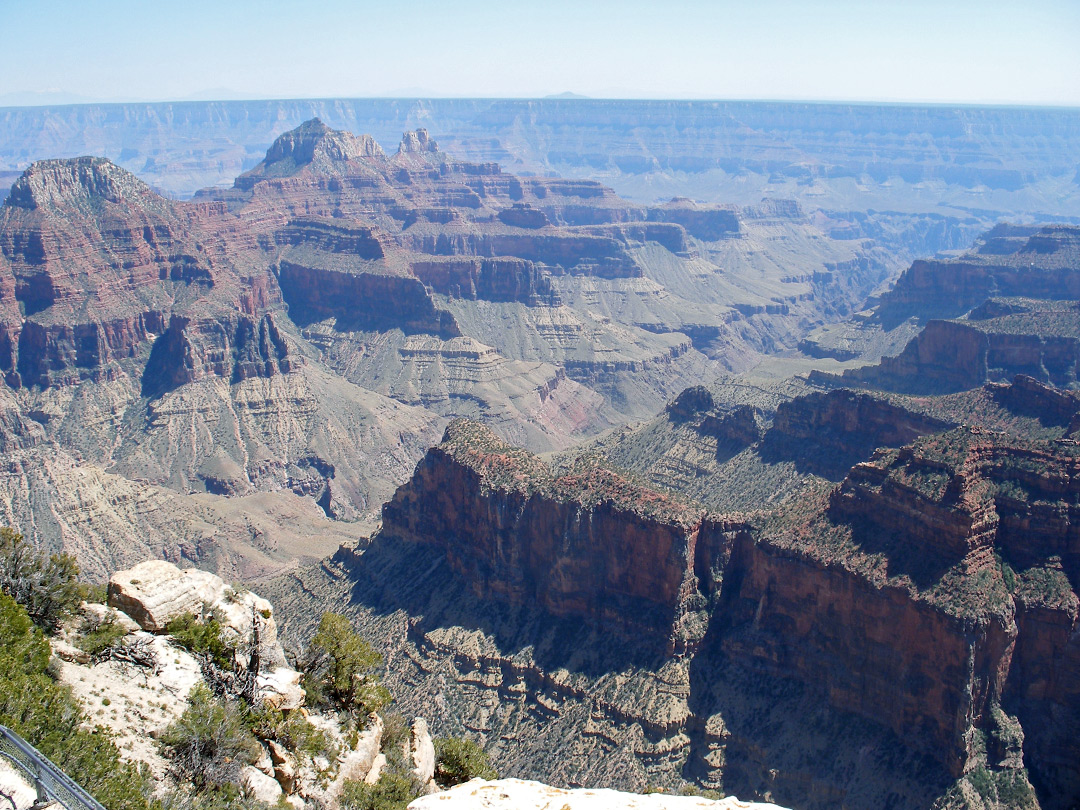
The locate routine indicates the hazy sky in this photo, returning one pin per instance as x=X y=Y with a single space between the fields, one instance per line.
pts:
x=909 y=50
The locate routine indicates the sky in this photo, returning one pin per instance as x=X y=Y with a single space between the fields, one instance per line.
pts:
x=947 y=51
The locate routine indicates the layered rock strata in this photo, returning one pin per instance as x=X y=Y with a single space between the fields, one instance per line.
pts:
x=899 y=600
x=997 y=341
x=1046 y=265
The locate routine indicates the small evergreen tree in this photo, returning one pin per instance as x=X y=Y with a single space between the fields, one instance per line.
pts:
x=341 y=669
x=458 y=760
x=47 y=586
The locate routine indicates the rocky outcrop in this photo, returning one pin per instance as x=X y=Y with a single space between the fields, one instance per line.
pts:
x=311 y=143
x=709 y=223
x=62 y=354
x=82 y=182
x=417 y=142
x=508 y=279
x=1016 y=336
x=234 y=348
x=979 y=503
x=516 y=794
x=928 y=561
x=517 y=531
x=362 y=301
x=1047 y=266
x=829 y=432
x=422 y=752
x=155 y=592
x=521 y=215
x=144 y=682
x=330 y=236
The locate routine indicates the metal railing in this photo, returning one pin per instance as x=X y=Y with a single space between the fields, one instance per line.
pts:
x=52 y=784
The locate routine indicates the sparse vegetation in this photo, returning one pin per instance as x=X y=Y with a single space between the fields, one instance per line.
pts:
x=209 y=744
x=50 y=718
x=97 y=635
x=293 y=731
x=393 y=791
x=1005 y=789
x=203 y=638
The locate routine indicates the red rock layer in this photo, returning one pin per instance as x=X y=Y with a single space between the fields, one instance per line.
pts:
x=894 y=595
x=1046 y=266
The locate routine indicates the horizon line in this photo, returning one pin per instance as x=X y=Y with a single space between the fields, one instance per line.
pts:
x=559 y=98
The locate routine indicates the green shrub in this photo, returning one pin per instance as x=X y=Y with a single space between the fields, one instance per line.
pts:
x=293 y=731
x=393 y=791
x=203 y=638
x=209 y=744
x=50 y=718
x=396 y=733
x=1004 y=788
x=97 y=635
x=95 y=593
x=46 y=586
x=230 y=797
x=458 y=760
x=340 y=669
x=694 y=790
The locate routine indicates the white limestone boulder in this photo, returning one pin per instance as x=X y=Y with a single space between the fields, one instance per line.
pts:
x=376 y=769
x=264 y=787
x=155 y=592
x=422 y=750
x=517 y=794
x=280 y=688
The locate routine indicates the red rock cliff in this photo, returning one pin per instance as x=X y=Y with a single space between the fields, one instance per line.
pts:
x=905 y=596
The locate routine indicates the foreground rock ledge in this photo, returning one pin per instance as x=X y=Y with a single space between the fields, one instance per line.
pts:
x=517 y=794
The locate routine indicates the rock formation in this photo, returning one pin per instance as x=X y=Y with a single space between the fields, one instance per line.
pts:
x=988 y=162
x=947 y=560
x=310 y=329
x=996 y=341
x=516 y=794
x=1045 y=266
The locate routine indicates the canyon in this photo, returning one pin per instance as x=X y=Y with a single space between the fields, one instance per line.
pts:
x=747 y=493
x=309 y=331
x=597 y=630
x=957 y=162
x=878 y=564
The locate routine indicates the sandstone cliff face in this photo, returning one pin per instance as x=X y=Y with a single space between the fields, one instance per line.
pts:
x=902 y=597
x=508 y=279
x=362 y=301
x=232 y=348
x=1045 y=266
x=708 y=223
x=586 y=543
x=998 y=340
x=828 y=432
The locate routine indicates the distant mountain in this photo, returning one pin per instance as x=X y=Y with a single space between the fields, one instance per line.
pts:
x=287 y=348
x=988 y=162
